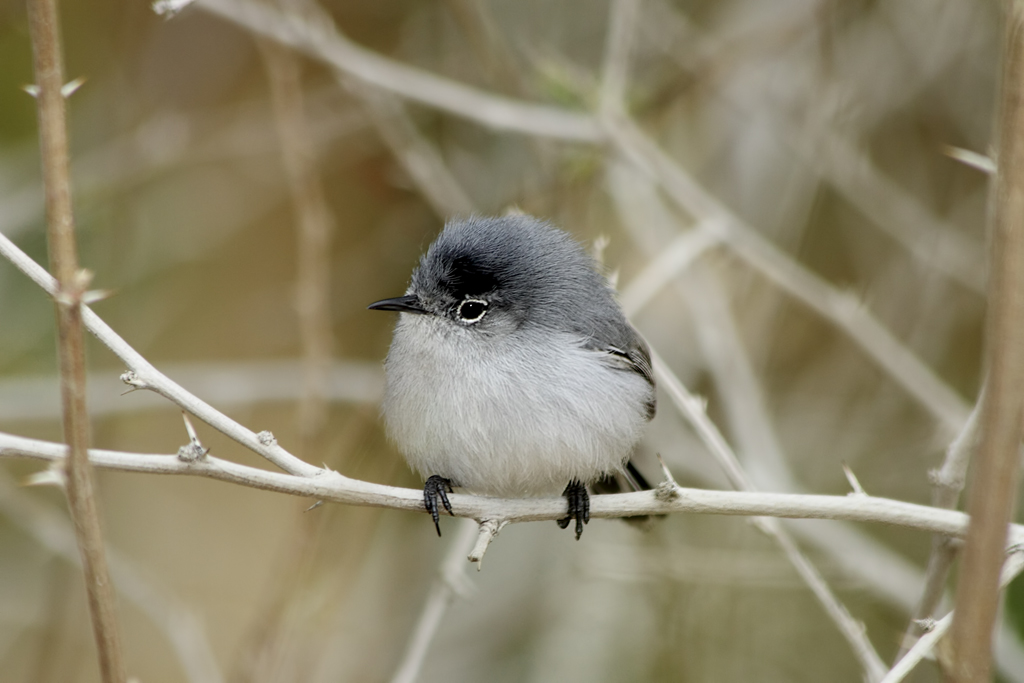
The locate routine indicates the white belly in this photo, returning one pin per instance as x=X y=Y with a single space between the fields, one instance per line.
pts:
x=499 y=420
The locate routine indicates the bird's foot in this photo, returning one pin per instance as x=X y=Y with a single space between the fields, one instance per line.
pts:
x=437 y=487
x=579 y=506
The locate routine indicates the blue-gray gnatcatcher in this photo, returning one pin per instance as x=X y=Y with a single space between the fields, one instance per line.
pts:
x=513 y=370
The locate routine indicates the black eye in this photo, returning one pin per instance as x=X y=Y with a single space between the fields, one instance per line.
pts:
x=472 y=310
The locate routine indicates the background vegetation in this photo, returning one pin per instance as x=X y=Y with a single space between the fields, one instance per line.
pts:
x=823 y=126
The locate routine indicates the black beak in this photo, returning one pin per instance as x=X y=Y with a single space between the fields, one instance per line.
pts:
x=409 y=303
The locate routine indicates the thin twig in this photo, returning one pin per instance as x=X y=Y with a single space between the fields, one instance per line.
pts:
x=421 y=160
x=314 y=228
x=926 y=644
x=621 y=30
x=665 y=267
x=642 y=212
x=332 y=486
x=324 y=42
x=997 y=461
x=735 y=376
x=44 y=27
x=853 y=630
x=932 y=241
x=947 y=483
x=832 y=154
x=143 y=375
x=226 y=384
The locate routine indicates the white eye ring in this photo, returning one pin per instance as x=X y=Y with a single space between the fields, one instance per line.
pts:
x=472 y=310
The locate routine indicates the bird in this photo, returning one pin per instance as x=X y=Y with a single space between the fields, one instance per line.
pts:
x=513 y=371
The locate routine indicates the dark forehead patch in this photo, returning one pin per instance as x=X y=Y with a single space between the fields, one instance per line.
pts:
x=464 y=276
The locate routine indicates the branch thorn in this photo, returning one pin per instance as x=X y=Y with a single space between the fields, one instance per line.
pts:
x=54 y=475
x=979 y=162
x=69 y=88
x=194 y=450
x=858 y=490
x=668 y=489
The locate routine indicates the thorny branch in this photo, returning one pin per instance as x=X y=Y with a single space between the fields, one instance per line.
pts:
x=334 y=487
x=143 y=375
x=68 y=292
x=936 y=630
x=994 y=486
x=947 y=483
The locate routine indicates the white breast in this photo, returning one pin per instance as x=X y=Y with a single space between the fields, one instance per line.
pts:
x=498 y=417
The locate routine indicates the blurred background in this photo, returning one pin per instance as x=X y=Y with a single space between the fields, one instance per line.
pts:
x=245 y=202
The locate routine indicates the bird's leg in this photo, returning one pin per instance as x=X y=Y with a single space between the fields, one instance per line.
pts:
x=437 y=487
x=579 y=506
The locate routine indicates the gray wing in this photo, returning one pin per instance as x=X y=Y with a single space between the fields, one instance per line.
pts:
x=634 y=357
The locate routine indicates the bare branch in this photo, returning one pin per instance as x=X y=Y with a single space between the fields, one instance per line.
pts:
x=665 y=267
x=226 y=384
x=947 y=483
x=926 y=644
x=332 y=486
x=622 y=20
x=833 y=155
x=48 y=63
x=993 y=490
x=144 y=376
x=324 y=42
x=420 y=159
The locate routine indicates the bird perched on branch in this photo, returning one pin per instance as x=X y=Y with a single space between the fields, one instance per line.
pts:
x=513 y=371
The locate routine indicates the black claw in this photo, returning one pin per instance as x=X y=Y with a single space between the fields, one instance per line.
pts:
x=579 y=506
x=437 y=487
